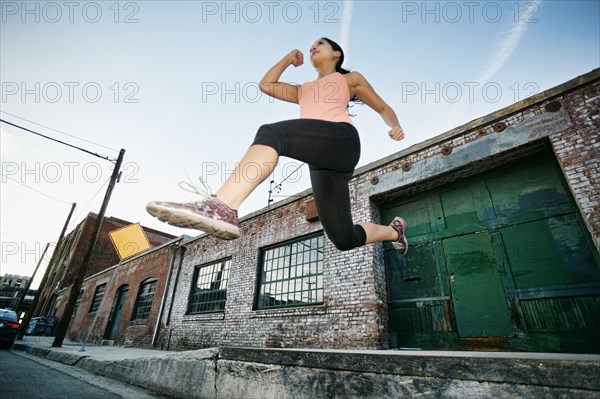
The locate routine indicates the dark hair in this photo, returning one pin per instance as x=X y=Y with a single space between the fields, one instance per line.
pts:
x=338 y=67
x=337 y=47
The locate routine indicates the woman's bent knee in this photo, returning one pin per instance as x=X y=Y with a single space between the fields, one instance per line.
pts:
x=344 y=243
x=347 y=240
x=267 y=135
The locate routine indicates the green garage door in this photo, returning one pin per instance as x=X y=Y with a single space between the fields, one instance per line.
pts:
x=498 y=261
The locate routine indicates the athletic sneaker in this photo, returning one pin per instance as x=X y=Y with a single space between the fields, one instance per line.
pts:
x=401 y=244
x=210 y=214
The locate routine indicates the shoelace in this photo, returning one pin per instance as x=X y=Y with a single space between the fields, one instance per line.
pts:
x=204 y=192
x=188 y=186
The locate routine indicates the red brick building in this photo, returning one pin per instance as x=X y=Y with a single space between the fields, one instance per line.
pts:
x=133 y=294
x=70 y=251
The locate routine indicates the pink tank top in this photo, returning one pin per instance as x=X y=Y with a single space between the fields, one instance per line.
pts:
x=325 y=98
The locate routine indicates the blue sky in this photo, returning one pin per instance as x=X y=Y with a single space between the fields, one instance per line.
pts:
x=175 y=84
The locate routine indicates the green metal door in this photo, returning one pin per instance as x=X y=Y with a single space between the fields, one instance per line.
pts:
x=478 y=295
x=116 y=319
x=501 y=260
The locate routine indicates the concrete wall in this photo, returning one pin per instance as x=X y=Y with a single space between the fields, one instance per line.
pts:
x=248 y=373
x=354 y=312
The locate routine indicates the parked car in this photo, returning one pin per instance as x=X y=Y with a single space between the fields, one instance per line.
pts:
x=9 y=328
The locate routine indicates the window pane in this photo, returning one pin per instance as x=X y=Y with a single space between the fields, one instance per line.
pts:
x=77 y=302
x=98 y=294
x=292 y=274
x=209 y=291
x=144 y=300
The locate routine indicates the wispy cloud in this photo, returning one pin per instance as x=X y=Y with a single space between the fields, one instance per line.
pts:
x=509 y=41
x=504 y=47
x=345 y=26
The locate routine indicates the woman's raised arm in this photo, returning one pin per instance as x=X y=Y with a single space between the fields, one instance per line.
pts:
x=271 y=85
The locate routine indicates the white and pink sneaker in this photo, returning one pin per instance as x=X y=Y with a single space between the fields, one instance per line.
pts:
x=210 y=214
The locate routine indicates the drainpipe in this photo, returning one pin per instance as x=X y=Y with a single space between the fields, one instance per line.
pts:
x=164 y=297
x=183 y=249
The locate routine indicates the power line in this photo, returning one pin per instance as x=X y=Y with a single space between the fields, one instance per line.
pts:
x=278 y=186
x=90 y=201
x=58 y=141
x=58 y=131
x=33 y=189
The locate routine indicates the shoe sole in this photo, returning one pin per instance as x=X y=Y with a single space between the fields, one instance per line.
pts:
x=191 y=220
x=404 y=240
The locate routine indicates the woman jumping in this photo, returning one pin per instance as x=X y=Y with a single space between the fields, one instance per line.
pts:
x=324 y=137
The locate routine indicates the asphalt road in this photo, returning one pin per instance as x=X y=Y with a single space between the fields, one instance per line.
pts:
x=23 y=376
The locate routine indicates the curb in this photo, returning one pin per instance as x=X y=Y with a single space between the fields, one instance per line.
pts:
x=33 y=350
x=64 y=358
x=181 y=375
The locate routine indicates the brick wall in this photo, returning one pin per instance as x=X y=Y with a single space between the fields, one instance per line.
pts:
x=104 y=254
x=338 y=323
x=70 y=253
x=354 y=312
x=152 y=265
x=578 y=152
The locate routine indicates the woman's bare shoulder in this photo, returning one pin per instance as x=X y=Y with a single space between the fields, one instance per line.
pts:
x=354 y=78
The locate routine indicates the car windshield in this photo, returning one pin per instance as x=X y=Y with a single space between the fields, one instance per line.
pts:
x=8 y=315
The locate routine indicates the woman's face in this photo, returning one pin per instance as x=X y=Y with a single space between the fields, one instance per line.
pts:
x=322 y=51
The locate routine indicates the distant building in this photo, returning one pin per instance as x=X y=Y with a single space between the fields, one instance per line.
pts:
x=12 y=287
x=13 y=280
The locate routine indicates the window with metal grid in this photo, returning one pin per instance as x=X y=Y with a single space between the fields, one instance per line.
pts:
x=292 y=274
x=143 y=303
x=98 y=294
x=77 y=302
x=209 y=289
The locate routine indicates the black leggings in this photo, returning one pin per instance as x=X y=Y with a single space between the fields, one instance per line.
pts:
x=331 y=150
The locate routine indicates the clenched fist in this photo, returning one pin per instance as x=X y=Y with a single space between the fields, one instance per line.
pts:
x=396 y=133
x=295 y=58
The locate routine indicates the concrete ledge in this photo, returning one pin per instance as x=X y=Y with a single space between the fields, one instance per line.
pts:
x=184 y=375
x=302 y=373
x=550 y=370
x=255 y=380
x=486 y=148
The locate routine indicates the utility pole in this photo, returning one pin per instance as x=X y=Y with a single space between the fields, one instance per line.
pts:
x=38 y=295
x=26 y=291
x=61 y=329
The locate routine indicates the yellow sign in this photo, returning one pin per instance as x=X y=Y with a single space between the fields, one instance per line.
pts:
x=129 y=240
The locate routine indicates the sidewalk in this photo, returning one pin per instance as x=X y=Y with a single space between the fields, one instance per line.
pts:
x=71 y=352
x=176 y=374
